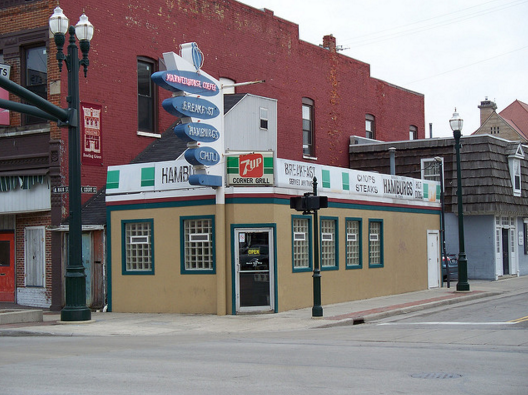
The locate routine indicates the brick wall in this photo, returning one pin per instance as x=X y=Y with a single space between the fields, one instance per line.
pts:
x=244 y=44
x=240 y=43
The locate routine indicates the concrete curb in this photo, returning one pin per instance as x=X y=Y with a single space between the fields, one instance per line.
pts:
x=385 y=312
x=20 y=316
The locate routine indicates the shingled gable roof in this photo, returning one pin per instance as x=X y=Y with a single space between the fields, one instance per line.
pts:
x=168 y=147
x=516 y=114
x=486 y=177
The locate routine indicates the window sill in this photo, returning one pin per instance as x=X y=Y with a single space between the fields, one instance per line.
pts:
x=354 y=267
x=302 y=270
x=147 y=134
x=309 y=157
x=329 y=268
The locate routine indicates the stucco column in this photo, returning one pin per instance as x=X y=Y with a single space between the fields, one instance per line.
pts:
x=221 y=261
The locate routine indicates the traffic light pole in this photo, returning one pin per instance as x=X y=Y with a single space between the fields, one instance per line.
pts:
x=317 y=309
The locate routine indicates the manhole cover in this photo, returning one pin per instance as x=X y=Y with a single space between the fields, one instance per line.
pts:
x=436 y=375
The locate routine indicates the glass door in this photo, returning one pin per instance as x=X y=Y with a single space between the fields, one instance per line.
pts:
x=254 y=275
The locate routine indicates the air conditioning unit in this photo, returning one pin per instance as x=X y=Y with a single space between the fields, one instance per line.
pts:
x=199 y=237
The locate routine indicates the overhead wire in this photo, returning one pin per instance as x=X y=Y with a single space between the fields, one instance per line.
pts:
x=393 y=33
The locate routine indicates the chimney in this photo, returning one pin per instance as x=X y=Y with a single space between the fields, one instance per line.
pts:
x=329 y=42
x=487 y=107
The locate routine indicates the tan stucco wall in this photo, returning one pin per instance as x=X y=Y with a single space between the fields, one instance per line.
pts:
x=167 y=290
x=405 y=260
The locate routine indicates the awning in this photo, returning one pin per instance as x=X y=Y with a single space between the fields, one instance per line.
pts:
x=8 y=183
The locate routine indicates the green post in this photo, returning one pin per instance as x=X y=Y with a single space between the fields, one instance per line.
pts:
x=317 y=309
x=75 y=308
x=462 y=284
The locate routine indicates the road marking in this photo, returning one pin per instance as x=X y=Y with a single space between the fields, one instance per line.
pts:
x=449 y=323
x=522 y=319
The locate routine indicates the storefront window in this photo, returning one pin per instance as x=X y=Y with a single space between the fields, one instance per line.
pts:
x=197 y=244
x=138 y=247
x=302 y=237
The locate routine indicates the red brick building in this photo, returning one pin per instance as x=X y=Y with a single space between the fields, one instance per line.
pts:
x=323 y=98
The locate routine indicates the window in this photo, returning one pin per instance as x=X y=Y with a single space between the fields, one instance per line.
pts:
x=35 y=77
x=263 y=118
x=308 y=127
x=147 y=121
x=413 y=132
x=431 y=169
x=353 y=243
x=370 y=126
x=515 y=173
x=514 y=165
x=301 y=243
x=197 y=245
x=138 y=242
x=328 y=244
x=375 y=243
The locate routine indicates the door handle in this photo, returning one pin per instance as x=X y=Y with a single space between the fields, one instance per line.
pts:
x=2 y=274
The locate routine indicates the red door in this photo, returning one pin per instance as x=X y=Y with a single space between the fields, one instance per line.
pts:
x=7 y=267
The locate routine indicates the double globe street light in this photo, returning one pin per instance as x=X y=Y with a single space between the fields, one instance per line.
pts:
x=456 y=124
x=75 y=308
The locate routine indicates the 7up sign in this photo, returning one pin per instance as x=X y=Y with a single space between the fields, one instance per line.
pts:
x=196 y=99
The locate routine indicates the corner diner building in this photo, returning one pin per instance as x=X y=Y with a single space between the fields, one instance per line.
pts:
x=174 y=248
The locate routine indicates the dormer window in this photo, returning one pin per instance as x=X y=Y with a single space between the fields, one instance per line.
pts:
x=514 y=164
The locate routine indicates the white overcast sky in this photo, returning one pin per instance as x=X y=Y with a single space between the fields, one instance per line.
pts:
x=455 y=52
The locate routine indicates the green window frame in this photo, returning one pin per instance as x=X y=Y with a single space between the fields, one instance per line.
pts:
x=301 y=243
x=329 y=243
x=197 y=244
x=354 y=243
x=137 y=241
x=375 y=243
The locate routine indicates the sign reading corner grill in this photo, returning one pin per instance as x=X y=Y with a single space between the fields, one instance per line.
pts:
x=252 y=169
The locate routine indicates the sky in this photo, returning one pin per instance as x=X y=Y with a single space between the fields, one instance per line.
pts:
x=456 y=53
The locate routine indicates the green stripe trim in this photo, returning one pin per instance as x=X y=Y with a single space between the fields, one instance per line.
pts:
x=346 y=181
x=112 y=179
x=326 y=178
x=147 y=176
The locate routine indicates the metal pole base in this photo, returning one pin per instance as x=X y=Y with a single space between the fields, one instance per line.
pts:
x=462 y=284
x=76 y=314
x=75 y=309
x=317 y=309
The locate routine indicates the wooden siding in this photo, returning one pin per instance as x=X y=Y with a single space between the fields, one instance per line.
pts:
x=486 y=181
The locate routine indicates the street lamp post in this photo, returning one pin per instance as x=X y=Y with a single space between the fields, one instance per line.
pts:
x=456 y=125
x=75 y=308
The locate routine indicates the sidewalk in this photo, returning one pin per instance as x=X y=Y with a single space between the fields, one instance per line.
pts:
x=349 y=313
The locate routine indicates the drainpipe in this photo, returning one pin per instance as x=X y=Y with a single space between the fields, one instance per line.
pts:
x=392 y=153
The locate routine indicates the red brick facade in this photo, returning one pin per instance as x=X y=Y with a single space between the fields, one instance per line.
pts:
x=238 y=42
x=243 y=44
